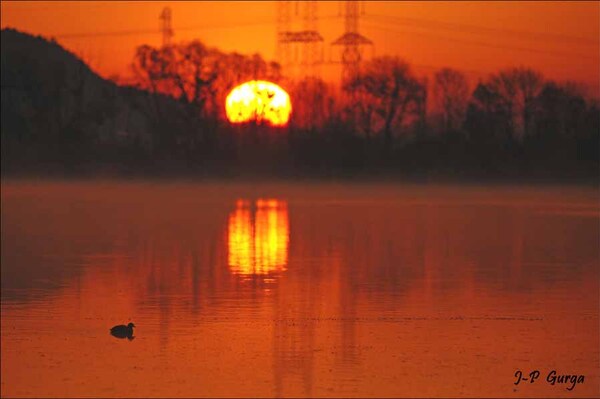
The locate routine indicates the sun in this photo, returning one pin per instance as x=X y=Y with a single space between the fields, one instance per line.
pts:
x=260 y=101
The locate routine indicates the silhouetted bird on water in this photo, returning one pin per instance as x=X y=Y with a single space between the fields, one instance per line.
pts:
x=123 y=331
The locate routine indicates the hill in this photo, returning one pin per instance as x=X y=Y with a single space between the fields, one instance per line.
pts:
x=59 y=116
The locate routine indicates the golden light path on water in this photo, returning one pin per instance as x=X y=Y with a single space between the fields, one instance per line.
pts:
x=258 y=237
x=259 y=101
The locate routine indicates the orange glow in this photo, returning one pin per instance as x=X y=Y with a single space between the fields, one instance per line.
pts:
x=426 y=45
x=258 y=100
x=349 y=320
x=259 y=244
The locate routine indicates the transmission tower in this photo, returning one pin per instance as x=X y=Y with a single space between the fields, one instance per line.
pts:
x=351 y=41
x=284 y=17
x=312 y=39
x=298 y=49
x=165 y=26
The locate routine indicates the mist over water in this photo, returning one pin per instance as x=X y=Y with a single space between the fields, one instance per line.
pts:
x=299 y=289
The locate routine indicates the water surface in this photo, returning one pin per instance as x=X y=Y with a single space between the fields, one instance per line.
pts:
x=297 y=289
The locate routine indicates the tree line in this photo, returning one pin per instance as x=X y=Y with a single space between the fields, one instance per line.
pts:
x=383 y=120
x=386 y=118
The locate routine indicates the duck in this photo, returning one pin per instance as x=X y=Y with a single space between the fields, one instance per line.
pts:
x=123 y=331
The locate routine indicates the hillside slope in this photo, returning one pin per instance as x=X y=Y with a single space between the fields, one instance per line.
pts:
x=57 y=114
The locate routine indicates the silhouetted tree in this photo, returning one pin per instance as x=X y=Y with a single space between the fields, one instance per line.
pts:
x=184 y=71
x=451 y=93
x=560 y=112
x=234 y=69
x=504 y=106
x=517 y=89
x=313 y=103
x=488 y=117
x=389 y=91
x=198 y=76
x=566 y=124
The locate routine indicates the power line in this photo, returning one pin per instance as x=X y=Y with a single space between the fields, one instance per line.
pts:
x=157 y=31
x=477 y=29
x=561 y=54
x=473 y=72
x=111 y=33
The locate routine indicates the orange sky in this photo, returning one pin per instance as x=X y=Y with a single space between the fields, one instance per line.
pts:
x=561 y=39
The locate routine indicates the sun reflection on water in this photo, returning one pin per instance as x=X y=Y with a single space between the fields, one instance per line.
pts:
x=258 y=237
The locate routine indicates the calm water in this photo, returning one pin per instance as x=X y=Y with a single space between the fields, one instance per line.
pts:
x=298 y=290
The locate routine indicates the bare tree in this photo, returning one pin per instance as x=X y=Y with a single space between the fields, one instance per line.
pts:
x=517 y=89
x=362 y=104
x=197 y=75
x=390 y=91
x=234 y=69
x=451 y=93
x=313 y=103
x=184 y=71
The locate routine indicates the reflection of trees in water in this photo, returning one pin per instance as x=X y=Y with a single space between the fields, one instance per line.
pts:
x=50 y=237
x=295 y=307
x=403 y=259
x=391 y=252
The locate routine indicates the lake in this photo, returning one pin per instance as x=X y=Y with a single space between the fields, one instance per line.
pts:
x=299 y=289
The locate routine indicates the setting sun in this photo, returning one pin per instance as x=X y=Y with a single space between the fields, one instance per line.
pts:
x=259 y=101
